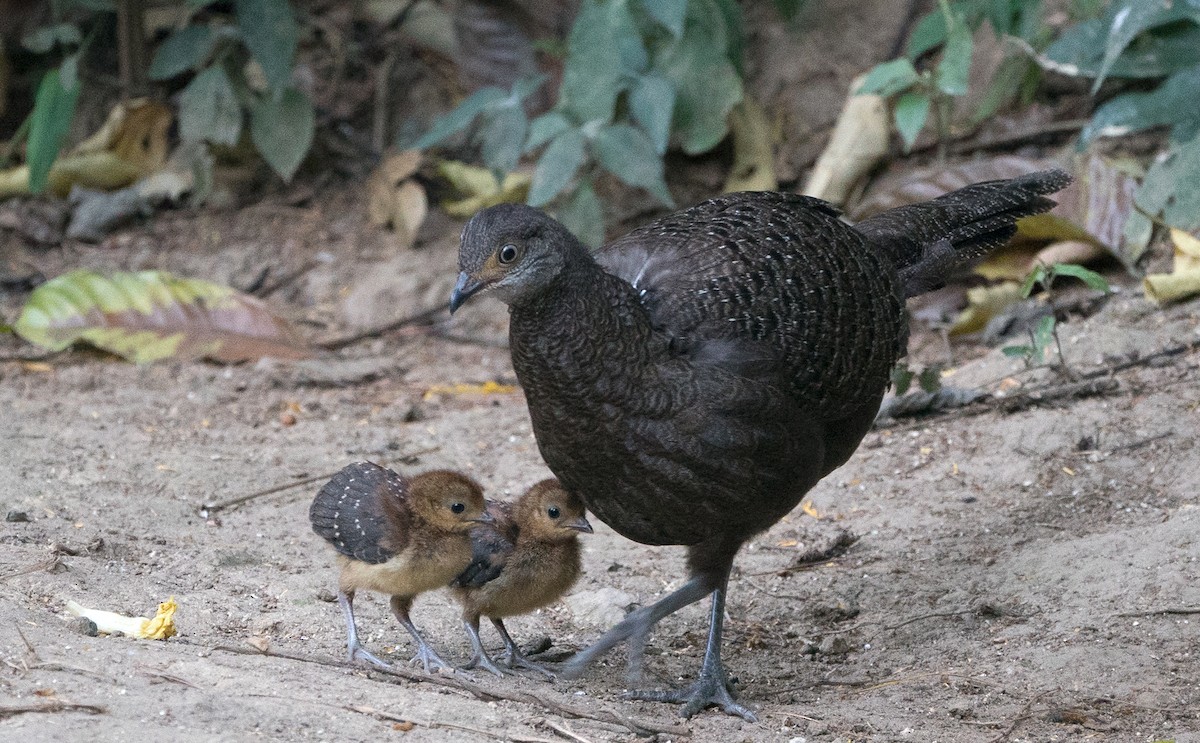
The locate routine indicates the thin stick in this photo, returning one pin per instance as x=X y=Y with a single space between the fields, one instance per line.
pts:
x=425 y=316
x=51 y=706
x=638 y=726
x=565 y=732
x=1179 y=610
x=210 y=508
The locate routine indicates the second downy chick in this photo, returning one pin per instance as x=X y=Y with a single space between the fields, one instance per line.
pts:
x=523 y=561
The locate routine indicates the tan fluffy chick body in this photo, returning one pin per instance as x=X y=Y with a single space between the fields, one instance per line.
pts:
x=528 y=558
x=397 y=536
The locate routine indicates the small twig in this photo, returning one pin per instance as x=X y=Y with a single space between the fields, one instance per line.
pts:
x=163 y=676
x=210 y=508
x=1032 y=398
x=565 y=732
x=37 y=567
x=267 y=290
x=1180 y=610
x=425 y=316
x=51 y=706
x=409 y=723
x=542 y=700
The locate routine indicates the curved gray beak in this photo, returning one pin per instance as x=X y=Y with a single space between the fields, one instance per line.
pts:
x=484 y=518
x=463 y=290
x=580 y=524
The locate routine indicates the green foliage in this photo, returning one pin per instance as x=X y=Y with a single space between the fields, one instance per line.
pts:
x=928 y=379
x=639 y=75
x=950 y=28
x=214 y=105
x=53 y=109
x=1046 y=331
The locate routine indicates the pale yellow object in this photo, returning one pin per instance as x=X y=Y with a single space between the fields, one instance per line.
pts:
x=984 y=303
x=487 y=388
x=480 y=188
x=160 y=627
x=753 y=159
x=858 y=143
x=1184 y=279
x=395 y=199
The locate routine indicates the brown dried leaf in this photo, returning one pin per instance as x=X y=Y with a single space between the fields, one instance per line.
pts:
x=858 y=143
x=394 y=199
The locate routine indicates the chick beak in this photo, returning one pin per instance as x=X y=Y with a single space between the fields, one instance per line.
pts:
x=463 y=290
x=486 y=518
x=580 y=524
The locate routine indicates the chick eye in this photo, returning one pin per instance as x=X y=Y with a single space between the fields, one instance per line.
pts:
x=552 y=511
x=458 y=508
x=507 y=254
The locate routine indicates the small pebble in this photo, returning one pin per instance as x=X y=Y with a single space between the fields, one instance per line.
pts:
x=16 y=517
x=83 y=626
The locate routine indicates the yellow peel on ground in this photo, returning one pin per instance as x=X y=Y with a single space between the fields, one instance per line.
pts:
x=160 y=627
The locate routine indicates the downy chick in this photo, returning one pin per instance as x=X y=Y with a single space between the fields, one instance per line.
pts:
x=527 y=559
x=398 y=536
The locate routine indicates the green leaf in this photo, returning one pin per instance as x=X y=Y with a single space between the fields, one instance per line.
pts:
x=209 y=109
x=1043 y=336
x=460 y=118
x=929 y=33
x=670 y=13
x=930 y=379
x=46 y=38
x=1128 y=18
x=605 y=49
x=652 y=103
x=53 y=109
x=270 y=32
x=545 y=128
x=282 y=129
x=1023 y=352
x=954 y=71
x=626 y=152
x=889 y=78
x=902 y=378
x=1080 y=51
x=183 y=50
x=1087 y=276
x=153 y=315
x=1169 y=192
x=1132 y=112
x=583 y=215
x=1035 y=277
x=912 y=110
x=556 y=167
x=502 y=135
x=707 y=86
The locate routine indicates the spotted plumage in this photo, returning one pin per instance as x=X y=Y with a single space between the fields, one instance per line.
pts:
x=693 y=379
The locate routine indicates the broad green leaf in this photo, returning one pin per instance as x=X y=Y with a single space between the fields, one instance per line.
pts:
x=889 y=78
x=1080 y=51
x=525 y=87
x=652 y=103
x=954 y=70
x=929 y=33
x=626 y=152
x=209 y=109
x=282 y=129
x=152 y=315
x=583 y=215
x=1086 y=275
x=1162 y=106
x=1023 y=352
x=1128 y=18
x=183 y=50
x=707 y=86
x=270 y=32
x=1169 y=193
x=735 y=33
x=53 y=109
x=502 y=135
x=1035 y=277
x=1043 y=336
x=556 y=167
x=902 y=378
x=46 y=38
x=912 y=109
x=670 y=13
x=545 y=128
x=605 y=49
x=461 y=117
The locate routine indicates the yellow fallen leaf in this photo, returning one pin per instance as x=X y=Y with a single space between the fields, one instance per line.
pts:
x=394 y=199
x=858 y=143
x=160 y=627
x=753 y=159
x=984 y=303
x=1184 y=279
x=786 y=543
x=808 y=508
x=487 y=388
x=480 y=188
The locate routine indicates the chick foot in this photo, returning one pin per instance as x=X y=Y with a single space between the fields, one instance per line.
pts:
x=513 y=657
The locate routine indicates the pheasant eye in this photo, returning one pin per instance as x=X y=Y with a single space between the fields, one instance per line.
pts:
x=507 y=254
x=458 y=508
x=553 y=512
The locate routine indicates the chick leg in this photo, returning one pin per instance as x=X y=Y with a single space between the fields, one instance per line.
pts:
x=712 y=687
x=637 y=626
x=429 y=659
x=356 y=650
x=513 y=657
x=481 y=658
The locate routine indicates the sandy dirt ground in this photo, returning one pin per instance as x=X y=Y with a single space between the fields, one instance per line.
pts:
x=1023 y=576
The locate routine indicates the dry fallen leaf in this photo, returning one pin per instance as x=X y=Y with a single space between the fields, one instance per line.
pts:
x=753 y=159
x=480 y=188
x=984 y=303
x=808 y=508
x=858 y=143
x=487 y=388
x=1184 y=279
x=396 y=200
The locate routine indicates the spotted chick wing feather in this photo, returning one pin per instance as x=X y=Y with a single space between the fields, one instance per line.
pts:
x=363 y=512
